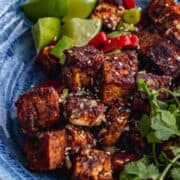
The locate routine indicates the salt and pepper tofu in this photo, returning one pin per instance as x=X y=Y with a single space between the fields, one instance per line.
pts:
x=78 y=139
x=84 y=111
x=132 y=142
x=119 y=160
x=165 y=16
x=156 y=7
x=93 y=164
x=46 y=150
x=118 y=78
x=159 y=55
x=81 y=66
x=154 y=82
x=116 y=121
x=109 y=12
x=38 y=109
x=49 y=64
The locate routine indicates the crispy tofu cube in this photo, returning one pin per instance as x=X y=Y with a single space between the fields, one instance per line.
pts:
x=82 y=111
x=136 y=144
x=93 y=164
x=154 y=82
x=45 y=151
x=79 y=139
x=81 y=66
x=38 y=109
x=48 y=63
x=116 y=121
x=165 y=17
x=155 y=8
x=158 y=55
x=118 y=78
x=109 y=12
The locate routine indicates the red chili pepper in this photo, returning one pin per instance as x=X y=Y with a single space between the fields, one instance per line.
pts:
x=116 y=43
x=129 y=4
x=134 y=40
x=99 y=40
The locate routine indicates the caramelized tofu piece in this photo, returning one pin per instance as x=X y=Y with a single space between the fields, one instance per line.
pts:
x=132 y=142
x=81 y=66
x=109 y=12
x=93 y=164
x=49 y=64
x=119 y=160
x=82 y=111
x=113 y=128
x=156 y=8
x=165 y=17
x=55 y=83
x=154 y=82
x=38 y=109
x=45 y=151
x=79 y=139
x=159 y=55
x=118 y=78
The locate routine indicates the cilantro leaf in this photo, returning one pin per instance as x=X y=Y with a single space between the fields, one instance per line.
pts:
x=164 y=125
x=140 y=170
x=175 y=150
x=151 y=138
x=142 y=86
x=175 y=173
x=145 y=125
x=163 y=158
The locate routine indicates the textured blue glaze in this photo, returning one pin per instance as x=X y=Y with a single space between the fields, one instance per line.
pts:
x=18 y=73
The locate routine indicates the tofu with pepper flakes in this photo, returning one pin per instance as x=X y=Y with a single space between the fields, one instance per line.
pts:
x=81 y=66
x=116 y=121
x=93 y=164
x=109 y=12
x=165 y=16
x=84 y=111
x=154 y=82
x=118 y=78
x=45 y=151
x=48 y=63
x=79 y=139
x=156 y=7
x=158 y=55
x=132 y=142
x=38 y=109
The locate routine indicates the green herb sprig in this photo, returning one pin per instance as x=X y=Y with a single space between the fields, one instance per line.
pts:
x=162 y=124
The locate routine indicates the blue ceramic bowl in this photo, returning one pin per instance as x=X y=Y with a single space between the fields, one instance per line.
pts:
x=18 y=74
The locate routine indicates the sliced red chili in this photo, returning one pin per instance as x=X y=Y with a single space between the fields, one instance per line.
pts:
x=117 y=43
x=134 y=41
x=99 y=40
x=129 y=4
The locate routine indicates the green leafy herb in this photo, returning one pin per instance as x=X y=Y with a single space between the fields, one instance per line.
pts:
x=175 y=150
x=168 y=167
x=160 y=125
x=164 y=125
x=145 y=125
x=140 y=170
x=175 y=173
x=163 y=122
